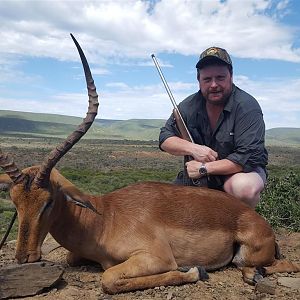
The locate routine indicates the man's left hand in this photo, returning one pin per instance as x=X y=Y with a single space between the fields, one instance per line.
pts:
x=193 y=167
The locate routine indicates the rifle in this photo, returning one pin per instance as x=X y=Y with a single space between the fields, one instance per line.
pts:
x=181 y=126
x=183 y=130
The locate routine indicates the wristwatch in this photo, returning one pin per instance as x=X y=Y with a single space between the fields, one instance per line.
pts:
x=203 y=170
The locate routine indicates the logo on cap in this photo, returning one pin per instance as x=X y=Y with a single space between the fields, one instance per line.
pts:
x=214 y=52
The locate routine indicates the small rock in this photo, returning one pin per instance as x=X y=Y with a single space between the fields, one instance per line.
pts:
x=28 y=279
x=49 y=245
x=266 y=286
x=293 y=283
x=170 y=295
x=248 y=290
x=70 y=292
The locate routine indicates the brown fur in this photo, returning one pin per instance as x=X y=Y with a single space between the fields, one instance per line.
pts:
x=142 y=233
x=145 y=231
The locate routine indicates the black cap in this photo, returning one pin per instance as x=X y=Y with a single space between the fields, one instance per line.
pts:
x=213 y=54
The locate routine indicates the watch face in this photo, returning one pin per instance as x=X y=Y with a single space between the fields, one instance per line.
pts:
x=203 y=170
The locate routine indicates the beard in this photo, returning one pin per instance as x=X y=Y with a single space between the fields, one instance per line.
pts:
x=218 y=97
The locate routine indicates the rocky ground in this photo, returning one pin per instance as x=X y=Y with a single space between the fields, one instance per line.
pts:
x=83 y=282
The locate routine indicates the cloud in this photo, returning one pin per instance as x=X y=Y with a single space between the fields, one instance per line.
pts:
x=125 y=33
x=280 y=105
x=118 y=85
x=100 y=71
x=130 y=30
x=279 y=99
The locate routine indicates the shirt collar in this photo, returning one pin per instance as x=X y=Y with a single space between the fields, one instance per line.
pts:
x=229 y=104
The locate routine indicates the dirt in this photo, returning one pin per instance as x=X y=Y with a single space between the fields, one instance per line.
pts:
x=83 y=282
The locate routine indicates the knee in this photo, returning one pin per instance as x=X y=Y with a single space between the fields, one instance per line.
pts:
x=108 y=283
x=245 y=190
x=249 y=194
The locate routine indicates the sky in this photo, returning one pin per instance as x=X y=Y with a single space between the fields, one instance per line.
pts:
x=40 y=70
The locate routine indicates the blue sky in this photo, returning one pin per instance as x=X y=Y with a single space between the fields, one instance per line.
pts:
x=40 y=69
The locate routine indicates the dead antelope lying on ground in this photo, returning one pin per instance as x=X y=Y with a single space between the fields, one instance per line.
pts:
x=141 y=234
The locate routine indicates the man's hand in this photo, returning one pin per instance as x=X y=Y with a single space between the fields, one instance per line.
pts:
x=193 y=167
x=203 y=153
x=177 y=146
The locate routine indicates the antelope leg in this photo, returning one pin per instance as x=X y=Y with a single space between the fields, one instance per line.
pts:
x=144 y=271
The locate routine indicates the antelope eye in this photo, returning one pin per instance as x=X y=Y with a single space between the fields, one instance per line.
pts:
x=47 y=205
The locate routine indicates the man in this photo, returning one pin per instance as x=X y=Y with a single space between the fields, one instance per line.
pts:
x=228 y=130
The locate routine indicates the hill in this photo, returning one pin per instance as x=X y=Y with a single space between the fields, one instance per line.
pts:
x=284 y=135
x=13 y=123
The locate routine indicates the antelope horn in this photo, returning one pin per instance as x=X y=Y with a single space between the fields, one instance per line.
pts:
x=10 y=168
x=42 y=177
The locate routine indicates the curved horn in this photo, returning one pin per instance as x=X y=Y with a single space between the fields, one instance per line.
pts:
x=10 y=168
x=42 y=177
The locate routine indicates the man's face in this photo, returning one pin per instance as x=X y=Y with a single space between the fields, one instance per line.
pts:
x=215 y=83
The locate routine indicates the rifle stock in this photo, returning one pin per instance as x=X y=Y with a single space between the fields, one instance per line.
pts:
x=180 y=126
x=186 y=136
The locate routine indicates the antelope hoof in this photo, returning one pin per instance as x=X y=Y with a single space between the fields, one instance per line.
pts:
x=202 y=273
x=259 y=274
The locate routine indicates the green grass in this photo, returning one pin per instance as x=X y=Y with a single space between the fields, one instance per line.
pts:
x=280 y=202
x=20 y=124
x=104 y=182
x=283 y=136
x=91 y=182
x=99 y=167
x=53 y=125
x=7 y=210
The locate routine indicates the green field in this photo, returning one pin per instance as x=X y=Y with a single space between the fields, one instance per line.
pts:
x=24 y=124
x=100 y=166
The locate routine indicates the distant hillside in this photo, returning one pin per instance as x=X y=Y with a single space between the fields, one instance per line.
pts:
x=37 y=124
x=134 y=129
x=286 y=135
x=40 y=117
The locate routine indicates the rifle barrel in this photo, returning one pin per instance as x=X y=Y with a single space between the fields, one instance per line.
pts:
x=170 y=95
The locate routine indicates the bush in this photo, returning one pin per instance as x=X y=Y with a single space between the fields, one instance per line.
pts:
x=5 y=219
x=105 y=182
x=280 y=203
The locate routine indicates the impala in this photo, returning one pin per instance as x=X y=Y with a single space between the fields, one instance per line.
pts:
x=144 y=235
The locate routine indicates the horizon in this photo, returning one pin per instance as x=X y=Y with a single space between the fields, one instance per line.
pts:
x=98 y=118
x=40 y=70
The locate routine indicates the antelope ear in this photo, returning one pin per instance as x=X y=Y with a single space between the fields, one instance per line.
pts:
x=76 y=197
x=82 y=203
x=5 y=182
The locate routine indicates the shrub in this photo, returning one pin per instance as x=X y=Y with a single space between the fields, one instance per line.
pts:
x=5 y=219
x=105 y=182
x=280 y=203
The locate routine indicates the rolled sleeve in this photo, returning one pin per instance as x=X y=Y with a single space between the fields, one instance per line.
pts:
x=168 y=130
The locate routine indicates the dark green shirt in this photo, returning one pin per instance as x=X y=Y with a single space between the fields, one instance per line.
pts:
x=240 y=132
